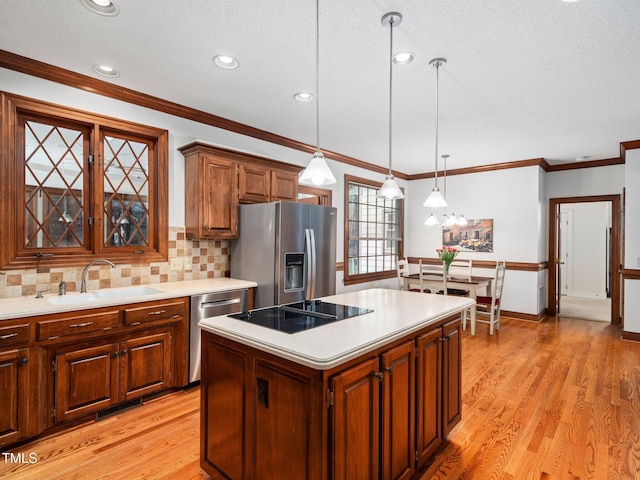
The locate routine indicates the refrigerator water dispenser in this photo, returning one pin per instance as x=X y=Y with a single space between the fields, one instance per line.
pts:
x=293 y=272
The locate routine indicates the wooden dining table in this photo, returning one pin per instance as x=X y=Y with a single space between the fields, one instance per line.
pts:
x=471 y=284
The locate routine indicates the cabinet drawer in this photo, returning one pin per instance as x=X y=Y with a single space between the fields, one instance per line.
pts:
x=151 y=313
x=14 y=335
x=77 y=325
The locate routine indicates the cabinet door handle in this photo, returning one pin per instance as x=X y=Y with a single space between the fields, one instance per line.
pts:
x=389 y=370
x=80 y=325
x=8 y=335
x=116 y=354
x=24 y=361
x=125 y=351
x=379 y=376
x=442 y=339
x=157 y=312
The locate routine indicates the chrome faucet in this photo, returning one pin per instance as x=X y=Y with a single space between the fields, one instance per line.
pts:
x=83 y=278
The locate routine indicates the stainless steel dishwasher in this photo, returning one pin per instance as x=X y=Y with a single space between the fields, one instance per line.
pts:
x=206 y=306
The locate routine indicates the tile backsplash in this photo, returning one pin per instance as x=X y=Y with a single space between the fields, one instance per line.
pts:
x=193 y=259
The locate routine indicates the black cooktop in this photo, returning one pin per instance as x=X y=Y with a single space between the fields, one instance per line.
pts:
x=299 y=316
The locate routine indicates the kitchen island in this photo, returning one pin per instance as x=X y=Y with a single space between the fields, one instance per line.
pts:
x=368 y=397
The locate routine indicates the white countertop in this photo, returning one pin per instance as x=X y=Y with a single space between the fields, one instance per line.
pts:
x=30 y=306
x=395 y=315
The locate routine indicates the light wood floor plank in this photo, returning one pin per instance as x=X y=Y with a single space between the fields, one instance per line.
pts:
x=554 y=400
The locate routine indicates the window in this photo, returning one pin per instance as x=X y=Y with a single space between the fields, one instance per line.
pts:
x=373 y=232
x=79 y=186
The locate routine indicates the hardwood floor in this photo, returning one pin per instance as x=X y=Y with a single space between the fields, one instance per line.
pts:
x=555 y=400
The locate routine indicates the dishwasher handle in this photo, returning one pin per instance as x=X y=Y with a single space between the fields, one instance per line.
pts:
x=220 y=303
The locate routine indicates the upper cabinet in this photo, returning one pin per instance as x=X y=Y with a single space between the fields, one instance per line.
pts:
x=80 y=185
x=217 y=180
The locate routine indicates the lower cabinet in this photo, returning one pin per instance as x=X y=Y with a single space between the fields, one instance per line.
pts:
x=65 y=366
x=14 y=395
x=380 y=417
x=93 y=379
x=419 y=403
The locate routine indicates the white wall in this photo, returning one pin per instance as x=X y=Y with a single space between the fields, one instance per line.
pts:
x=586 y=182
x=632 y=240
x=511 y=198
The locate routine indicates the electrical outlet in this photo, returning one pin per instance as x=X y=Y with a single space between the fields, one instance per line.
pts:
x=187 y=264
x=176 y=263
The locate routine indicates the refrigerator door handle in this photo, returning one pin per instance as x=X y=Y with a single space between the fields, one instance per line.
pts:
x=307 y=248
x=314 y=260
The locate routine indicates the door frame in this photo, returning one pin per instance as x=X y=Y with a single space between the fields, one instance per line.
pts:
x=614 y=260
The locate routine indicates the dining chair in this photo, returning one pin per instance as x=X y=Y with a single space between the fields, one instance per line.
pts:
x=432 y=272
x=460 y=268
x=489 y=307
x=402 y=269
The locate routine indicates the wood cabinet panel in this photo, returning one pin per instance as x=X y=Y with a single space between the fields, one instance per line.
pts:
x=156 y=311
x=86 y=381
x=14 y=395
x=14 y=335
x=452 y=376
x=75 y=324
x=283 y=418
x=145 y=365
x=429 y=397
x=356 y=417
x=224 y=448
x=284 y=186
x=220 y=202
x=254 y=183
x=398 y=416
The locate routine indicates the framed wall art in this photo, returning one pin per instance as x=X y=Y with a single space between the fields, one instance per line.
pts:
x=476 y=236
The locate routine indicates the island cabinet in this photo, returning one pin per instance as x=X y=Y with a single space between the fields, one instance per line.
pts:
x=378 y=416
x=217 y=180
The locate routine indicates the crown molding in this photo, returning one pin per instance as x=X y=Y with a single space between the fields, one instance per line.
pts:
x=52 y=73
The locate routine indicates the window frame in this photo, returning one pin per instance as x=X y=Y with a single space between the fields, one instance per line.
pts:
x=368 y=277
x=13 y=254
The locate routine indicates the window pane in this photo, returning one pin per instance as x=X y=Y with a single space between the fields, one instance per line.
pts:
x=126 y=192
x=373 y=241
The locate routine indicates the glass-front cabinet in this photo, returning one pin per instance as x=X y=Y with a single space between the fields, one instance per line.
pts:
x=80 y=186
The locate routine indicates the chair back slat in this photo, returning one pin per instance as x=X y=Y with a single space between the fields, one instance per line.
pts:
x=432 y=272
x=402 y=269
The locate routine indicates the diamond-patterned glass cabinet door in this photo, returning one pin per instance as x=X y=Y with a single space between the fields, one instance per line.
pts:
x=126 y=192
x=54 y=186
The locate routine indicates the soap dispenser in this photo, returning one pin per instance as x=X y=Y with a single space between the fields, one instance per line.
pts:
x=62 y=288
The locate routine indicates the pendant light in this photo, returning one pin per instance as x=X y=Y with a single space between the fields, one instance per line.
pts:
x=317 y=172
x=390 y=188
x=435 y=198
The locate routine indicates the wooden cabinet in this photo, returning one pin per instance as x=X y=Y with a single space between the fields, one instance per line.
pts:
x=211 y=196
x=381 y=416
x=217 y=180
x=92 y=373
x=67 y=366
x=14 y=394
x=259 y=184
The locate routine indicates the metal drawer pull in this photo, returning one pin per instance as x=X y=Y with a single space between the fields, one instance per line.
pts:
x=157 y=312
x=175 y=316
x=219 y=303
x=79 y=325
x=9 y=335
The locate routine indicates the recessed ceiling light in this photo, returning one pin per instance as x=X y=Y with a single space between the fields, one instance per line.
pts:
x=102 y=7
x=569 y=1
x=106 y=71
x=226 y=61
x=303 y=97
x=403 y=58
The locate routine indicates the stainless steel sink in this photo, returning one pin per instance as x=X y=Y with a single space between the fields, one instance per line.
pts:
x=102 y=295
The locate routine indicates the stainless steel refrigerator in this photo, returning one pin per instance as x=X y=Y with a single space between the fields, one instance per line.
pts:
x=288 y=248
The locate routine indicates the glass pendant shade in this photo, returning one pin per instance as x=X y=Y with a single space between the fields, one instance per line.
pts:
x=390 y=189
x=317 y=172
x=462 y=221
x=453 y=220
x=435 y=199
x=432 y=220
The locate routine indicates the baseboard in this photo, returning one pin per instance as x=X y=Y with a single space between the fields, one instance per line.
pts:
x=631 y=336
x=529 y=317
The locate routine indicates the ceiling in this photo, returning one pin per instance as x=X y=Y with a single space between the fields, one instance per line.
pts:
x=523 y=79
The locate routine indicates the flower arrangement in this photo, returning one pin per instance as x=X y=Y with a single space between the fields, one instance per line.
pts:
x=447 y=254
